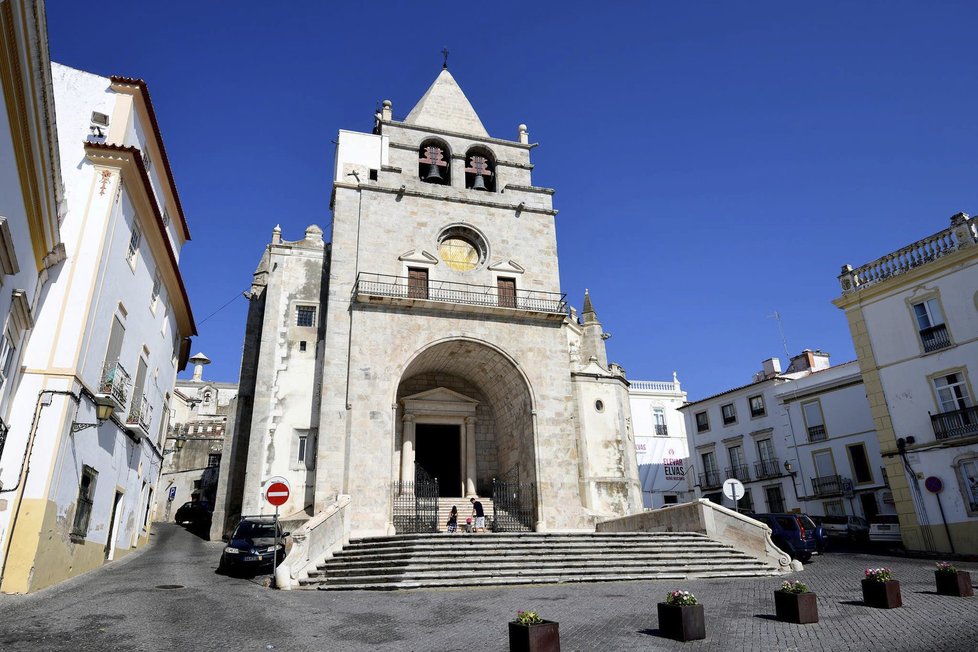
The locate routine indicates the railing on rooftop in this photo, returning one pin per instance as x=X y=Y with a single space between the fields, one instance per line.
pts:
x=962 y=233
x=655 y=385
x=398 y=287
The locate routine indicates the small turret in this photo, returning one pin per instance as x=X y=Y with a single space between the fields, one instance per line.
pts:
x=593 y=336
x=199 y=360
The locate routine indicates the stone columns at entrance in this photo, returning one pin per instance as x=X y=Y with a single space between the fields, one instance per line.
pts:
x=469 y=457
x=407 y=448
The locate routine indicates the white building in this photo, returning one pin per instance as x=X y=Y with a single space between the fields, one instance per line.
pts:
x=799 y=440
x=913 y=315
x=833 y=449
x=109 y=336
x=31 y=197
x=660 y=440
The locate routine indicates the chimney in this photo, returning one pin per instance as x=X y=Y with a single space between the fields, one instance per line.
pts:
x=770 y=368
x=809 y=360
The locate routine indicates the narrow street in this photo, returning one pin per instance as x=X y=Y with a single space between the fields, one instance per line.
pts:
x=122 y=607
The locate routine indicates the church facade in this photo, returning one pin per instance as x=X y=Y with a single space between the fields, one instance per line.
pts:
x=427 y=337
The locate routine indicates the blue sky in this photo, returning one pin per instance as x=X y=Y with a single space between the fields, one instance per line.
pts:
x=714 y=162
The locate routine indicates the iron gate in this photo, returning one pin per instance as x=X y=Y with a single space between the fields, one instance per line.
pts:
x=415 y=504
x=513 y=503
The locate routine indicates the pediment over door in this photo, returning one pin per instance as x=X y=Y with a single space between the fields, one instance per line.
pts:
x=440 y=401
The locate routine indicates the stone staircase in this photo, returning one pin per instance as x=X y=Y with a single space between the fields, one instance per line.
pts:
x=465 y=560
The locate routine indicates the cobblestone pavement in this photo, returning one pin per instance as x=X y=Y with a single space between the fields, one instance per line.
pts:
x=120 y=608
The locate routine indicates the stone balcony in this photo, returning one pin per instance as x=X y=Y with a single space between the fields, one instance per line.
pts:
x=457 y=297
x=962 y=233
x=113 y=388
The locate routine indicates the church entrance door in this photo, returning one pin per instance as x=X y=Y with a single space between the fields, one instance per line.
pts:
x=440 y=454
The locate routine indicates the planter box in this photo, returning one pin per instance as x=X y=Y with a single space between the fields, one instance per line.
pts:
x=682 y=623
x=798 y=608
x=544 y=637
x=957 y=584
x=884 y=595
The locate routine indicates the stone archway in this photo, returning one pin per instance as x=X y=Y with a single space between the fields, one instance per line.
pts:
x=481 y=389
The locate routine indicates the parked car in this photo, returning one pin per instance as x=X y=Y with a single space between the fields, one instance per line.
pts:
x=195 y=514
x=815 y=523
x=885 y=528
x=789 y=532
x=254 y=546
x=851 y=528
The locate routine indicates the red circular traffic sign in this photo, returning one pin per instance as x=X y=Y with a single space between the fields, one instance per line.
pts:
x=277 y=493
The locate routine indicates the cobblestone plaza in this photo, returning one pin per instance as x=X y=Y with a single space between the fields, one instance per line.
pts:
x=101 y=610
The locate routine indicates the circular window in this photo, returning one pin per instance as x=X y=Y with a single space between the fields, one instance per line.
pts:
x=461 y=248
x=599 y=405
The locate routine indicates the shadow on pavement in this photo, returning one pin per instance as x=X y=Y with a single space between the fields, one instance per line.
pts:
x=651 y=632
x=857 y=603
x=768 y=616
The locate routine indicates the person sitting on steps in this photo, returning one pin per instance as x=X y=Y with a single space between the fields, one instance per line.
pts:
x=479 y=514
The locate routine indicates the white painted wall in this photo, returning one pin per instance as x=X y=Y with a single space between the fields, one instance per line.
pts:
x=662 y=459
x=358 y=150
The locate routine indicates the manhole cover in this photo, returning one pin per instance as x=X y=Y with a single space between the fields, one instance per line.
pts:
x=169 y=586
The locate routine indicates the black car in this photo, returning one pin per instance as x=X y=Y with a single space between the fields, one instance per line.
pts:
x=254 y=546
x=195 y=514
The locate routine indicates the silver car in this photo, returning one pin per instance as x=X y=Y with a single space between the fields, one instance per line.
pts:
x=885 y=529
x=852 y=528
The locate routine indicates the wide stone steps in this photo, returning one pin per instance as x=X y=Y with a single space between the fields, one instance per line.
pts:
x=438 y=560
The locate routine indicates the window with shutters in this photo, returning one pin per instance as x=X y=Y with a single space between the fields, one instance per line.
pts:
x=417 y=283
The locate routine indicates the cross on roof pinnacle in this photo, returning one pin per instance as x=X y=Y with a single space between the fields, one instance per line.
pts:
x=444 y=65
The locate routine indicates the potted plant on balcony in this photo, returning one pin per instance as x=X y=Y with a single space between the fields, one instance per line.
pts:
x=881 y=590
x=681 y=617
x=531 y=633
x=794 y=603
x=951 y=581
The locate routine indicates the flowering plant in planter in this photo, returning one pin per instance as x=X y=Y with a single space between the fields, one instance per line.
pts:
x=946 y=567
x=794 y=603
x=680 y=599
x=528 y=618
x=879 y=574
x=794 y=587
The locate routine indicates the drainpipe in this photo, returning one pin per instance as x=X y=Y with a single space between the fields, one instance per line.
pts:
x=25 y=467
x=918 y=498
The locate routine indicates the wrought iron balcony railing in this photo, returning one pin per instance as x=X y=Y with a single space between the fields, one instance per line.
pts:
x=115 y=381
x=140 y=414
x=740 y=472
x=935 y=338
x=399 y=287
x=710 y=479
x=661 y=429
x=768 y=468
x=827 y=485
x=959 y=423
x=816 y=433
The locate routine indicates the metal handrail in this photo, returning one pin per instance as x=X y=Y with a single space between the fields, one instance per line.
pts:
x=935 y=338
x=827 y=485
x=816 y=433
x=768 y=468
x=115 y=379
x=398 y=287
x=741 y=472
x=710 y=479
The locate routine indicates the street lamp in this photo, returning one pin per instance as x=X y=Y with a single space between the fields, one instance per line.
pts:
x=102 y=414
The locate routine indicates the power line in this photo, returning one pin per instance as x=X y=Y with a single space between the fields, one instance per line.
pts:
x=236 y=295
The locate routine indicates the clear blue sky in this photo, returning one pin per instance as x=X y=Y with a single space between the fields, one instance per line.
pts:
x=714 y=162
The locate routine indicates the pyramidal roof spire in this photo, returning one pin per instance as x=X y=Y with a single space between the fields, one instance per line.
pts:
x=444 y=106
x=588 y=313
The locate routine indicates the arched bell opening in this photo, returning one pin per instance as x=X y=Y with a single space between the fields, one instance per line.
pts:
x=464 y=414
x=435 y=162
x=480 y=169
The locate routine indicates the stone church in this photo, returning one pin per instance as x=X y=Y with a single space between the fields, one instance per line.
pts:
x=426 y=343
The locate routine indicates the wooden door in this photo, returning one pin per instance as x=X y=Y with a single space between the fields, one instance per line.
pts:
x=417 y=283
x=506 y=288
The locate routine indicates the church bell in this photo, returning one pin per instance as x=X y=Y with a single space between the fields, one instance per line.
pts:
x=478 y=183
x=433 y=173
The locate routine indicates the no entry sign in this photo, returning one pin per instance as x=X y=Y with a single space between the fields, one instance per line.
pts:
x=277 y=493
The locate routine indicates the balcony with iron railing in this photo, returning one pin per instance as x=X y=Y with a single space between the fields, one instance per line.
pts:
x=453 y=296
x=955 y=424
x=113 y=388
x=741 y=472
x=768 y=468
x=962 y=233
x=140 y=416
x=816 y=433
x=827 y=485
x=661 y=430
x=710 y=480
x=935 y=338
